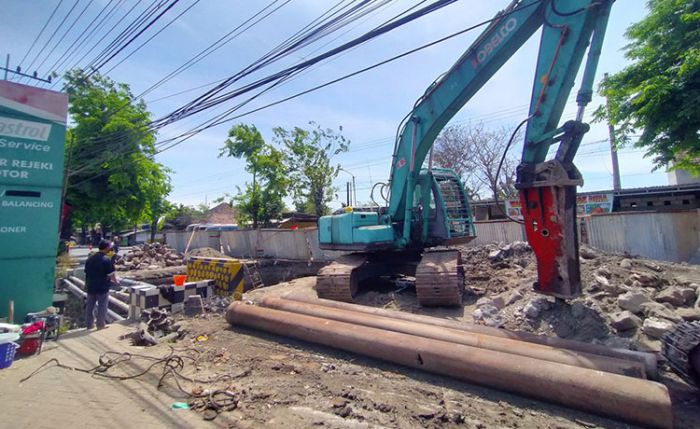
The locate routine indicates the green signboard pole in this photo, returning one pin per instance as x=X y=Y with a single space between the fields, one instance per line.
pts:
x=32 y=138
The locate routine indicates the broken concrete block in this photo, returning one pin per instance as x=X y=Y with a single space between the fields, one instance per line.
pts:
x=645 y=279
x=648 y=344
x=658 y=310
x=626 y=263
x=688 y=314
x=587 y=253
x=625 y=320
x=632 y=301
x=531 y=310
x=194 y=305
x=656 y=328
x=653 y=266
x=497 y=301
x=676 y=295
x=496 y=255
x=578 y=310
x=514 y=296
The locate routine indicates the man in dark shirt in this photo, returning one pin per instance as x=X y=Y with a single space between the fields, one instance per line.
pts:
x=99 y=275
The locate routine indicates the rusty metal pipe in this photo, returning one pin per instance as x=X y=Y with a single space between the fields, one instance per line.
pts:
x=506 y=345
x=631 y=399
x=649 y=360
x=114 y=302
x=77 y=291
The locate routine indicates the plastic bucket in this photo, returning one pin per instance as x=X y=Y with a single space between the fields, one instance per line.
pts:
x=179 y=279
x=8 y=347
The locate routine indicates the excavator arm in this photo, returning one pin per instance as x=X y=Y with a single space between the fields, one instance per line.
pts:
x=547 y=188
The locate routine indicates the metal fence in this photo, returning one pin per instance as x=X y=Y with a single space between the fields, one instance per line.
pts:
x=673 y=236
x=497 y=231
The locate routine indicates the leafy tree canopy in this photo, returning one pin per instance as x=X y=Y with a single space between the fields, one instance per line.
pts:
x=658 y=93
x=261 y=200
x=113 y=178
x=309 y=158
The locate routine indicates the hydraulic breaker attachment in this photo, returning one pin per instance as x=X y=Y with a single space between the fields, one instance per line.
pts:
x=548 y=201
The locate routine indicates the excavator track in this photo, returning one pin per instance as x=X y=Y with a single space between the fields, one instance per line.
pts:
x=681 y=348
x=340 y=279
x=440 y=278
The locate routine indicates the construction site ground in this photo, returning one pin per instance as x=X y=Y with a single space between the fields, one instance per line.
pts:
x=282 y=382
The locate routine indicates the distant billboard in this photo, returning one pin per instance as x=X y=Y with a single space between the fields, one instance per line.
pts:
x=586 y=204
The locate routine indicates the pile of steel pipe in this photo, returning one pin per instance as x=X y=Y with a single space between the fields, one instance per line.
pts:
x=649 y=360
x=506 y=345
x=533 y=373
x=113 y=302
x=80 y=293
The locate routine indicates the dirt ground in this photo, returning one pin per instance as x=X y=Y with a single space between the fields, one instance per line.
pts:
x=292 y=384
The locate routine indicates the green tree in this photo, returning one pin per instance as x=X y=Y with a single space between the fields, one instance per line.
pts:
x=658 y=93
x=157 y=205
x=112 y=176
x=261 y=200
x=180 y=216
x=309 y=158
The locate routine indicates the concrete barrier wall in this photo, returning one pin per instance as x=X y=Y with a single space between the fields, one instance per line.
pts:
x=497 y=231
x=673 y=236
x=301 y=244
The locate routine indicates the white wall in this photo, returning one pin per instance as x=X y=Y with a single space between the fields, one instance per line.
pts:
x=672 y=236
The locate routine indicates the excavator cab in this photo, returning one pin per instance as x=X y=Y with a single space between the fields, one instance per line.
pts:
x=442 y=214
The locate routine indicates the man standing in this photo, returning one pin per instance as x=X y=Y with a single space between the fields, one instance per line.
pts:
x=99 y=274
x=115 y=248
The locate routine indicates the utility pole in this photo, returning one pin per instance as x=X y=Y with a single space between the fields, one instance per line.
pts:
x=18 y=72
x=615 y=164
x=347 y=191
x=617 y=185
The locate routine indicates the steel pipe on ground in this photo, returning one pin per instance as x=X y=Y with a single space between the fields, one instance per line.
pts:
x=649 y=360
x=506 y=345
x=114 y=302
x=637 y=401
x=77 y=291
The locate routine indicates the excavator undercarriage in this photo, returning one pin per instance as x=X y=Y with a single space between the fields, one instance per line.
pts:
x=439 y=274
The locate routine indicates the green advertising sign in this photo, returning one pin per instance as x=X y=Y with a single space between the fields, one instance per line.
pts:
x=32 y=138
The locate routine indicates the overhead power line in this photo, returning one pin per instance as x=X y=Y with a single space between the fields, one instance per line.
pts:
x=58 y=27
x=71 y=26
x=153 y=36
x=181 y=138
x=97 y=67
x=277 y=50
x=83 y=36
x=38 y=36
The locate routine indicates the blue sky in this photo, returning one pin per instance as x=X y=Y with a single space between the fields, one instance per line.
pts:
x=368 y=106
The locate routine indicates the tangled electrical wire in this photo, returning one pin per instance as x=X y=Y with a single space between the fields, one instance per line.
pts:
x=209 y=402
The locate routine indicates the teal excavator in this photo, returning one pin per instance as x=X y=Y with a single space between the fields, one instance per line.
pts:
x=427 y=208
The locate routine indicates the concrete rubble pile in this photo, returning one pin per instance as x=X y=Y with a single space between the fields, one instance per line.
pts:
x=149 y=257
x=627 y=302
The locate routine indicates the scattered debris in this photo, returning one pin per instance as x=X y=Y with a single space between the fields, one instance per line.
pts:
x=217 y=304
x=155 y=327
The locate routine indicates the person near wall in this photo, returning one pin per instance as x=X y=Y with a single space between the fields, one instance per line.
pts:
x=99 y=276
x=115 y=248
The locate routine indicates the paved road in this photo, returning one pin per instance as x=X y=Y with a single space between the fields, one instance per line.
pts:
x=59 y=398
